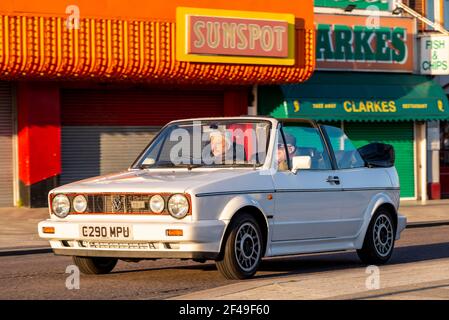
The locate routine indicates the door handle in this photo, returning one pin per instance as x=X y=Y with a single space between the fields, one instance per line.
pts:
x=333 y=179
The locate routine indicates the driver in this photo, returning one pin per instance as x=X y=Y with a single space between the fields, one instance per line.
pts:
x=281 y=154
x=222 y=149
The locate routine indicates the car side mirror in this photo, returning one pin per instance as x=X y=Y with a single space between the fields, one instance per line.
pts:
x=149 y=161
x=301 y=163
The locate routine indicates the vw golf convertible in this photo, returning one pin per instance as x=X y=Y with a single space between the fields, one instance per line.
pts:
x=233 y=190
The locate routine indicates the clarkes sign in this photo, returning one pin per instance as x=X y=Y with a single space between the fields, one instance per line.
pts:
x=364 y=43
x=235 y=36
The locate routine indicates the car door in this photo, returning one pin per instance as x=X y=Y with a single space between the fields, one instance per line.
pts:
x=306 y=202
x=359 y=183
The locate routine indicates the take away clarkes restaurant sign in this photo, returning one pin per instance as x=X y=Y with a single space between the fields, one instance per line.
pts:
x=243 y=37
x=364 y=43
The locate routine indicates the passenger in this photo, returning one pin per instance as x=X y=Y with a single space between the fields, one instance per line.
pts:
x=282 y=157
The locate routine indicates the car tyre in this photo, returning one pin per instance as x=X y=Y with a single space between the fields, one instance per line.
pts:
x=379 y=239
x=95 y=265
x=243 y=249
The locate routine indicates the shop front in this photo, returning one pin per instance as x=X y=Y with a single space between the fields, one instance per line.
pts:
x=365 y=84
x=93 y=83
x=104 y=130
x=387 y=108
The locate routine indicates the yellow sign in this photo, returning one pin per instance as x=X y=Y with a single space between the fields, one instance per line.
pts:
x=369 y=106
x=228 y=36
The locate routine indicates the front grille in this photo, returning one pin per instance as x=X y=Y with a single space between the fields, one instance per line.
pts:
x=140 y=199
x=120 y=245
x=120 y=203
x=131 y=203
x=129 y=245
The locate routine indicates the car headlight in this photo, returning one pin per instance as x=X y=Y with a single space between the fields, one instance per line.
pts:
x=157 y=204
x=61 y=205
x=178 y=206
x=79 y=203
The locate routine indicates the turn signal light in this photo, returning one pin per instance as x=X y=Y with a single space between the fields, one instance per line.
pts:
x=174 y=232
x=48 y=230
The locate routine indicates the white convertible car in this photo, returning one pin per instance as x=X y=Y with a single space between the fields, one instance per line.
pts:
x=233 y=190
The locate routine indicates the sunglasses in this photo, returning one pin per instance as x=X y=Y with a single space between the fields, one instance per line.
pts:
x=281 y=146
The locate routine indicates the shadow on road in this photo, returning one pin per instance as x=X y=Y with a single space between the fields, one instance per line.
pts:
x=314 y=263
x=304 y=264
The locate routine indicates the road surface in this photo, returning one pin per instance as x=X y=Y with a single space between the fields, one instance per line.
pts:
x=42 y=276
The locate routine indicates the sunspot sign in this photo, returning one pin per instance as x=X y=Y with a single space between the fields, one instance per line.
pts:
x=228 y=36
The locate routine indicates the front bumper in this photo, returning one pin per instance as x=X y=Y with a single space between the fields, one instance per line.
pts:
x=402 y=223
x=200 y=240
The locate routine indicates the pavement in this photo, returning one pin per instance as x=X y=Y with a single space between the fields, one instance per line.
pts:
x=18 y=230
x=425 y=213
x=18 y=226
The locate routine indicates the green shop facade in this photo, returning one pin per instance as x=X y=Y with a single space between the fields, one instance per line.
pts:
x=373 y=101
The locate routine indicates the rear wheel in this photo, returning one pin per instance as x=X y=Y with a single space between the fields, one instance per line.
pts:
x=95 y=265
x=243 y=249
x=379 y=239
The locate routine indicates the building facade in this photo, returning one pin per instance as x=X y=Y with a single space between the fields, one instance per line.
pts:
x=84 y=88
x=367 y=82
x=437 y=131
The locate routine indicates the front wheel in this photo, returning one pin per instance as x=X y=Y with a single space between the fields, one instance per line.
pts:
x=379 y=239
x=243 y=249
x=95 y=265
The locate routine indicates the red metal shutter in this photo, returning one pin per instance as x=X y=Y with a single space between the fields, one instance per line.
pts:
x=137 y=107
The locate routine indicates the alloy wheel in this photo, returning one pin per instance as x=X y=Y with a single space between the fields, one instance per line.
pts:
x=247 y=247
x=383 y=234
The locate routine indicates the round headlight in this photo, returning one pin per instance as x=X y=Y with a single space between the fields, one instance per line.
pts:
x=61 y=205
x=80 y=203
x=178 y=206
x=157 y=204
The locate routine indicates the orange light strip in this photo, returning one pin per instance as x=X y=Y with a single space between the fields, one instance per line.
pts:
x=144 y=51
x=50 y=230
x=174 y=232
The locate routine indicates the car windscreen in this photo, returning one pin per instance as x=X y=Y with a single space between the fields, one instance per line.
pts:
x=208 y=143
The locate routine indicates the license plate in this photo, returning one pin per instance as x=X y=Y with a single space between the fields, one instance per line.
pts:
x=106 y=232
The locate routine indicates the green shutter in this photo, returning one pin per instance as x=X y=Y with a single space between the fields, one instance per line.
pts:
x=398 y=134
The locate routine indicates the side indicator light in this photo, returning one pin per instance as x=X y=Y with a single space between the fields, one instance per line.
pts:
x=174 y=232
x=50 y=230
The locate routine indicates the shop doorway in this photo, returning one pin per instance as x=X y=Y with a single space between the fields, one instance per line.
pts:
x=444 y=159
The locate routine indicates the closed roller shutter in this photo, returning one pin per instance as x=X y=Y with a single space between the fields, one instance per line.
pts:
x=97 y=150
x=398 y=134
x=104 y=131
x=6 y=162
